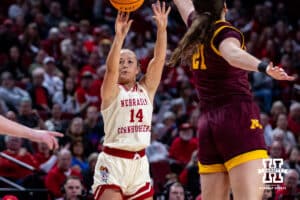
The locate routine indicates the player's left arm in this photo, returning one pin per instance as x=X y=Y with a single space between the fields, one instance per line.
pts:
x=152 y=77
x=12 y=128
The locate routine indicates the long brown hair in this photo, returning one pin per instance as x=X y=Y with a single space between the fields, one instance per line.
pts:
x=200 y=31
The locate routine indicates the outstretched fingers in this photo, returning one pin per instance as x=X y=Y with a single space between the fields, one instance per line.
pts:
x=279 y=73
x=56 y=134
x=55 y=144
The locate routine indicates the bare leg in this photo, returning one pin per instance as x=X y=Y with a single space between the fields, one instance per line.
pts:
x=215 y=186
x=246 y=182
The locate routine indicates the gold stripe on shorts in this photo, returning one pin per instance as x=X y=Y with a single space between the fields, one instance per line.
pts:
x=213 y=168
x=245 y=157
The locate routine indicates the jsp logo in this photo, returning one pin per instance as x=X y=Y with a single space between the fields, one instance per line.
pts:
x=272 y=171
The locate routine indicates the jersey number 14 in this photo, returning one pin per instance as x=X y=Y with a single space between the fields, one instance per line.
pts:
x=136 y=116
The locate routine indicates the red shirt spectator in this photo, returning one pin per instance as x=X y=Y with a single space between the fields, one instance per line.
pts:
x=183 y=146
x=58 y=174
x=289 y=189
x=43 y=153
x=12 y=170
x=52 y=44
x=88 y=93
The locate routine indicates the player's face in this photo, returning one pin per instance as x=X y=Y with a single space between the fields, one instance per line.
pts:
x=128 y=67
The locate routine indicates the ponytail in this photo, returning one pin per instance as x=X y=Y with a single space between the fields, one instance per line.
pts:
x=198 y=33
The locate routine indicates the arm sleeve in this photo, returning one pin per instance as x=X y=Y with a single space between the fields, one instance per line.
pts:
x=226 y=32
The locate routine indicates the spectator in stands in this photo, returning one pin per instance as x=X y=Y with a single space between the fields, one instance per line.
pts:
x=175 y=191
x=15 y=65
x=178 y=107
x=67 y=45
x=8 y=38
x=52 y=81
x=88 y=174
x=90 y=45
x=170 y=128
x=39 y=19
x=156 y=151
x=97 y=83
x=55 y=15
x=289 y=189
x=75 y=132
x=277 y=108
x=43 y=153
x=56 y=122
x=72 y=189
x=288 y=137
x=183 y=145
x=84 y=28
x=277 y=150
x=293 y=160
x=29 y=117
x=11 y=115
x=93 y=63
x=59 y=173
x=38 y=60
x=39 y=94
x=268 y=193
x=52 y=44
x=10 y=197
x=284 y=88
x=10 y=93
x=294 y=120
x=11 y=169
x=85 y=94
x=264 y=120
x=262 y=90
x=103 y=49
x=64 y=29
x=30 y=41
x=78 y=158
x=188 y=174
x=66 y=98
x=93 y=127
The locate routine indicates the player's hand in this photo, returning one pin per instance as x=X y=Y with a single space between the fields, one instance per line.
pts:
x=161 y=14
x=47 y=137
x=278 y=73
x=122 y=24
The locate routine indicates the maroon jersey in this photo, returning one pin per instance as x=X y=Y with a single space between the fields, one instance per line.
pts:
x=216 y=81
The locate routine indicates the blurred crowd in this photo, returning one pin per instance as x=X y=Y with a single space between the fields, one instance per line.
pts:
x=52 y=62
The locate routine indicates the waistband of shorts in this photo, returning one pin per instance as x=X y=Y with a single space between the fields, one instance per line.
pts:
x=124 y=154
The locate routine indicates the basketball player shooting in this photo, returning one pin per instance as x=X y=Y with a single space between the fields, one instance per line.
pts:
x=122 y=169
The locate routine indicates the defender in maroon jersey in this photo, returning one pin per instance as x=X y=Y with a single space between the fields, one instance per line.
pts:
x=231 y=143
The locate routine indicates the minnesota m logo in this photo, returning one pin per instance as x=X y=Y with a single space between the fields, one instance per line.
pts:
x=255 y=124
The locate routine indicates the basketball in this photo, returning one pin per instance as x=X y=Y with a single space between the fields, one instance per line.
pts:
x=126 y=5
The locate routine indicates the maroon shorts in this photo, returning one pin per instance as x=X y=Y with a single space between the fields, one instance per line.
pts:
x=230 y=135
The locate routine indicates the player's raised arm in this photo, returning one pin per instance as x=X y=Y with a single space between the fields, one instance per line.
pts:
x=155 y=67
x=185 y=8
x=109 y=87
